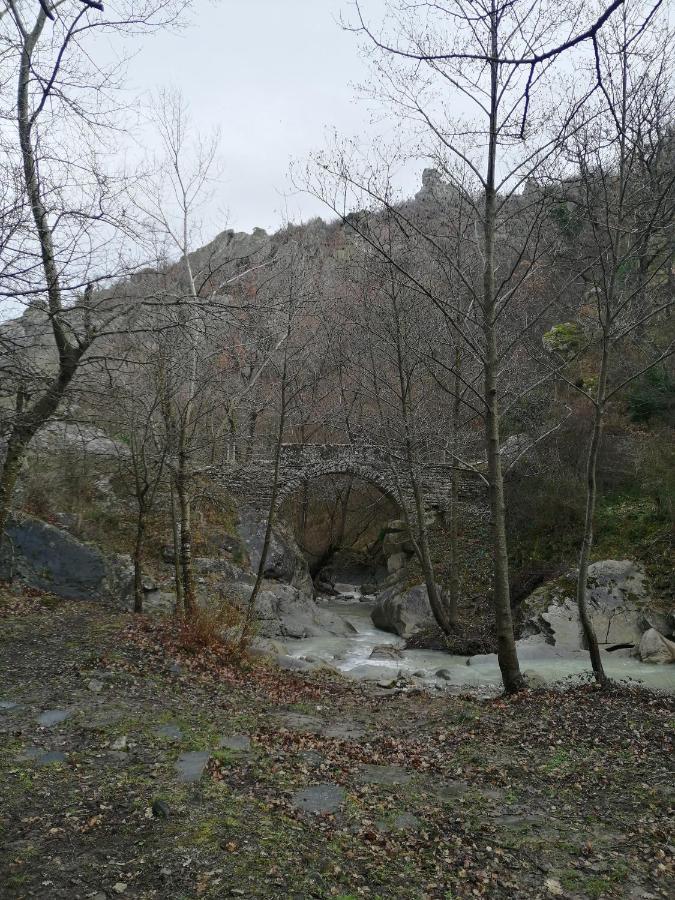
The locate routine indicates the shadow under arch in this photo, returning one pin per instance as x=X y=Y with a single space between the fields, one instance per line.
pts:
x=386 y=485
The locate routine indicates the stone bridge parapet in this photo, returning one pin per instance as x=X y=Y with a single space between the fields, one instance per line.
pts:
x=251 y=482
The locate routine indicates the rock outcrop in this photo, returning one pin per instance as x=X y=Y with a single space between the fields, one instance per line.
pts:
x=48 y=558
x=617 y=599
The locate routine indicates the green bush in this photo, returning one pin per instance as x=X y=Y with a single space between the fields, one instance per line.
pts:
x=653 y=396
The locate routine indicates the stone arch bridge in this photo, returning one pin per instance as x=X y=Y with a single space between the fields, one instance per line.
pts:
x=251 y=482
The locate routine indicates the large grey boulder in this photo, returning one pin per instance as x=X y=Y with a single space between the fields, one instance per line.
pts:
x=397 y=539
x=48 y=558
x=617 y=599
x=404 y=612
x=284 y=561
x=655 y=648
x=283 y=611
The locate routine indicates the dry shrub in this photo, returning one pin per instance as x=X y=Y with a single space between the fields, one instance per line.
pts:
x=216 y=627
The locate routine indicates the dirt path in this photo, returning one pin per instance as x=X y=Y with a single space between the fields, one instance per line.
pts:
x=127 y=773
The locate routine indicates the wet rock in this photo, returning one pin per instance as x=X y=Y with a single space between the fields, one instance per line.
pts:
x=319 y=799
x=291 y=664
x=386 y=651
x=444 y=674
x=367 y=672
x=190 y=766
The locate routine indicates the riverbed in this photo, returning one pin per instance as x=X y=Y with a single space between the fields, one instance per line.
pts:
x=479 y=674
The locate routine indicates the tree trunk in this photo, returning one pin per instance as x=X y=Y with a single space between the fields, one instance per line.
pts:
x=590 y=636
x=250 y=608
x=29 y=420
x=453 y=586
x=175 y=530
x=138 y=559
x=185 y=506
x=506 y=644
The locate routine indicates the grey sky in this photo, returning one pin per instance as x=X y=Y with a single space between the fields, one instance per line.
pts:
x=273 y=75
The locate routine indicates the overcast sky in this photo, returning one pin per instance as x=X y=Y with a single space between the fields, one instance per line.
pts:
x=274 y=75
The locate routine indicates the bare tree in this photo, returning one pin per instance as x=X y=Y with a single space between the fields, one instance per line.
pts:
x=65 y=222
x=497 y=59
x=621 y=198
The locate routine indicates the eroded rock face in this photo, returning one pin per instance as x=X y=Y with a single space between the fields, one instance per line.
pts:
x=617 y=598
x=284 y=561
x=404 y=612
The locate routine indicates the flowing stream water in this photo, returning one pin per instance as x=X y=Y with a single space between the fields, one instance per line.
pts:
x=480 y=674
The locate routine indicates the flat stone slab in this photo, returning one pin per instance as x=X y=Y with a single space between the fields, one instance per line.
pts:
x=451 y=790
x=54 y=716
x=235 y=742
x=319 y=799
x=7 y=704
x=190 y=766
x=301 y=722
x=347 y=731
x=403 y=822
x=371 y=774
x=172 y=732
x=44 y=757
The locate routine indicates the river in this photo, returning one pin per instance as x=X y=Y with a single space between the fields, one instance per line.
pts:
x=479 y=675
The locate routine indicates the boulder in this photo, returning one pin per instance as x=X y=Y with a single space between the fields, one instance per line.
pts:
x=386 y=651
x=396 y=539
x=404 y=612
x=48 y=558
x=396 y=562
x=283 y=611
x=655 y=648
x=617 y=599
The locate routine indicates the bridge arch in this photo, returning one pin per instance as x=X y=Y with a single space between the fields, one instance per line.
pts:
x=294 y=482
